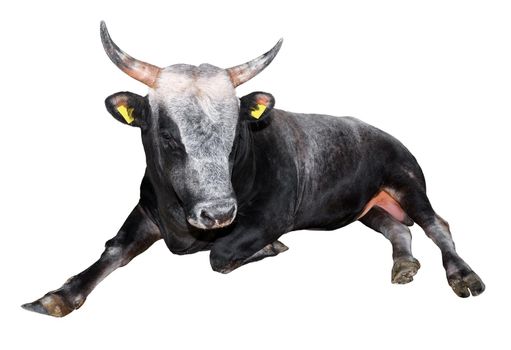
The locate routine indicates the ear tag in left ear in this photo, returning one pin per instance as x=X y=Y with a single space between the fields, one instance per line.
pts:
x=257 y=113
x=126 y=113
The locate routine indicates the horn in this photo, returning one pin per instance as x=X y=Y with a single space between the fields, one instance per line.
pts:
x=246 y=71
x=144 y=72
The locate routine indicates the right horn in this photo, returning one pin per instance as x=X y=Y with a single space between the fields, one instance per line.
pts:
x=144 y=72
x=246 y=71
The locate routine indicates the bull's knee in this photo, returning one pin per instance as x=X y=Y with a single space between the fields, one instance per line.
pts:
x=115 y=253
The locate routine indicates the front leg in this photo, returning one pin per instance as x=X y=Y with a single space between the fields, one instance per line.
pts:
x=244 y=245
x=136 y=235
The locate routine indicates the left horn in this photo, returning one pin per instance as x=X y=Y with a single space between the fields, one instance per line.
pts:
x=246 y=71
x=144 y=72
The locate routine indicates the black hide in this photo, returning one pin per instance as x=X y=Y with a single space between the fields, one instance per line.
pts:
x=290 y=171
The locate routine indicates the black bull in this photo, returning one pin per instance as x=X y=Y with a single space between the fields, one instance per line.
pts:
x=289 y=172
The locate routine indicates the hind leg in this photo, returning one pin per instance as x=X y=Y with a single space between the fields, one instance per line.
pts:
x=460 y=276
x=405 y=265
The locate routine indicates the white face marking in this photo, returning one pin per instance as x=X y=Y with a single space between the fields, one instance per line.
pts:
x=201 y=102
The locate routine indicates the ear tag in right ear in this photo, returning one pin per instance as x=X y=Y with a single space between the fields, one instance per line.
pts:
x=257 y=113
x=126 y=113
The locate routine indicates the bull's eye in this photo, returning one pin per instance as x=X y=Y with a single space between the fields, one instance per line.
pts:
x=168 y=140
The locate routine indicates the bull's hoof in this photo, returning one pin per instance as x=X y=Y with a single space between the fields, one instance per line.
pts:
x=54 y=304
x=272 y=249
x=464 y=283
x=404 y=269
x=225 y=266
x=278 y=247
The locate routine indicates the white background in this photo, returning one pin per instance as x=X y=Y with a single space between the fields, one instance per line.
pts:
x=435 y=74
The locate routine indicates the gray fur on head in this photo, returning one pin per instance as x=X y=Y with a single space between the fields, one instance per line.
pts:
x=202 y=104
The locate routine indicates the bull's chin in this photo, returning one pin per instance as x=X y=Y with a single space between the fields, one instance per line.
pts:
x=209 y=226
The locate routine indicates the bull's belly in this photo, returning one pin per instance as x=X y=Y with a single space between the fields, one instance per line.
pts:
x=336 y=213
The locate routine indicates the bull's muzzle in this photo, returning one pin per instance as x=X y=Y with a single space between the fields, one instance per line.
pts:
x=212 y=215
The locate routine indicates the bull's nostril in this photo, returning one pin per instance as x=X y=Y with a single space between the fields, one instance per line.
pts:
x=207 y=216
x=230 y=214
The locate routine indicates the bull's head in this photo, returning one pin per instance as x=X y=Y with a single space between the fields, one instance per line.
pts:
x=189 y=121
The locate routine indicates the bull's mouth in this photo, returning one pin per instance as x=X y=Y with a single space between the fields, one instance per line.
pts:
x=214 y=225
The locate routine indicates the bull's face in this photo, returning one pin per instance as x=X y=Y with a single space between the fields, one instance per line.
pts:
x=189 y=121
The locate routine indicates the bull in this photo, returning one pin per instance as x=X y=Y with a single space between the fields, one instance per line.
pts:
x=232 y=175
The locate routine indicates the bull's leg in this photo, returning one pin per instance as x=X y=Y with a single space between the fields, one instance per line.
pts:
x=136 y=235
x=241 y=247
x=405 y=265
x=460 y=276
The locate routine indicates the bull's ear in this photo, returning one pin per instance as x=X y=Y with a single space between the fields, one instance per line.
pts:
x=128 y=108
x=255 y=108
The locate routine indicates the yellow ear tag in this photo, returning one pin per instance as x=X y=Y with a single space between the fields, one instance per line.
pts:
x=257 y=113
x=126 y=113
